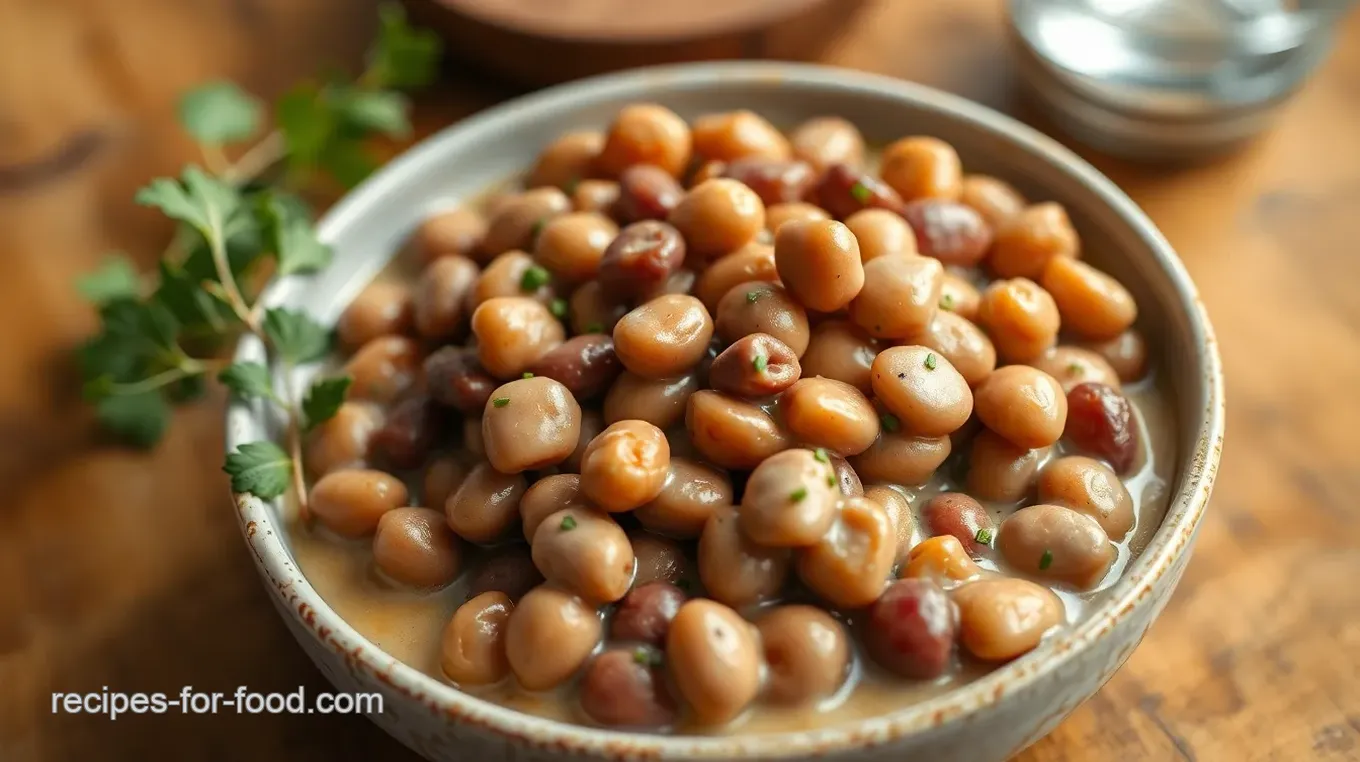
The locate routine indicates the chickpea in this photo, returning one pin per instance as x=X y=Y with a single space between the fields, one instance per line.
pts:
x=959 y=296
x=735 y=570
x=584 y=552
x=1127 y=354
x=826 y=140
x=922 y=388
x=384 y=369
x=625 y=466
x=442 y=294
x=963 y=344
x=513 y=333
x=512 y=273
x=849 y=566
x=1022 y=404
x=962 y=517
x=660 y=402
x=593 y=311
x=1088 y=486
x=733 y=433
x=792 y=211
x=790 y=500
x=1001 y=471
x=546 y=497
x=1021 y=318
x=942 y=559
x=807 y=652
x=566 y=160
x=922 y=167
x=1090 y=302
x=737 y=135
x=1002 y=618
x=659 y=559
x=645 y=133
x=625 y=688
x=1074 y=365
x=646 y=613
x=714 y=659
x=486 y=504
x=691 y=493
x=642 y=258
x=530 y=424
x=343 y=440
x=572 y=245
x=350 y=503
x=383 y=308
x=718 y=217
x=839 y=350
x=881 y=233
x=453 y=232
x=599 y=196
x=819 y=263
x=1056 y=543
x=1029 y=240
x=414 y=547
x=752 y=262
x=762 y=307
x=901 y=458
x=895 y=503
x=830 y=414
x=517 y=222
x=549 y=636
x=900 y=296
x=664 y=337
x=996 y=200
x=472 y=649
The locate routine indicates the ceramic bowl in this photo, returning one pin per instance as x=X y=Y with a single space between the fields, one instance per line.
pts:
x=989 y=719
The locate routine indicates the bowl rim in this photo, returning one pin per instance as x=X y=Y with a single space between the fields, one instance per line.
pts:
x=1171 y=540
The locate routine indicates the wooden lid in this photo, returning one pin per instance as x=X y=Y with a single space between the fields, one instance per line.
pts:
x=629 y=21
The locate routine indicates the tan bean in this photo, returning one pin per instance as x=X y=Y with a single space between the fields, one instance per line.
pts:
x=737 y=135
x=549 y=636
x=442 y=294
x=922 y=167
x=383 y=308
x=659 y=559
x=416 y=548
x=593 y=311
x=923 y=389
x=1088 y=486
x=831 y=414
x=516 y=222
x=881 y=233
x=819 y=263
x=384 y=369
x=959 y=296
x=567 y=160
x=733 y=433
x=1020 y=317
x=443 y=475
x=584 y=552
x=807 y=653
x=762 y=307
x=846 y=479
x=1002 y=618
x=1090 y=302
x=714 y=660
x=734 y=569
x=546 y=497
x=513 y=333
x=343 y=440
x=592 y=423
x=752 y=262
x=792 y=211
x=1001 y=471
x=486 y=504
x=895 y=503
x=509 y=275
x=1026 y=243
x=571 y=245
x=963 y=344
x=645 y=133
x=1022 y=404
x=901 y=458
x=453 y=232
x=664 y=337
x=839 y=350
x=994 y=199
x=530 y=424
x=900 y=296
x=625 y=466
x=1056 y=543
x=849 y=566
x=942 y=559
x=660 y=402
x=1127 y=353
x=1071 y=366
x=472 y=437
x=718 y=217
x=692 y=492
x=826 y=140
x=595 y=196
x=790 y=500
x=472 y=648
x=350 y=503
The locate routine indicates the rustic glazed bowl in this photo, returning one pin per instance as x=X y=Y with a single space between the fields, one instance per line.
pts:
x=989 y=719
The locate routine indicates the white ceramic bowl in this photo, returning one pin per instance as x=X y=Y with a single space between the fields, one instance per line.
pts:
x=989 y=719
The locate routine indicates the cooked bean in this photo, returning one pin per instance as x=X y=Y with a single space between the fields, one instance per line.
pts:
x=584 y=552
x=779 y=213
x=660 y=402
x=546 y=497
x=441 y=296
x=901 y=458
x=664 y=337
x=513 y=333
x=1127 y=353
x=383 y=308
x=549 y=636
x=941 y=559
x=679 y=282
x=384 y=369
x=732 y=433
x=706 y=171
x=826 y=140
x=752 y=262
x=1073 y=365
x=1026 y=243
x=1025 y=405
x=900 y=296
x=593 y=311
x=442 y=476
x=762 y=307
x=625 y=688
x=948 y=231
x=1090 y=487
x=486 y=504
x=472 y=437
x=819 y=263
x=645 y=133
x=790 y=500
x=959 y=296
x=922 y=167
x=846 y=478
x=898 y=508
x=585 y=365
x=1001 y=471
x=510 y=572
x=831 y=414
x=1021 y=318
x=645 y=614
x=600 y=196
x=1000 y=619
x=453 y=232
x=343 y=440
x=776 y=181
x=921 y=387
x=807 y=652
x=1090 y=302
x=592 y=423
x=734 y=569
x=881 y=233
x=714 y=660
x=517 y=222
x=659 y=559
x=1100 y=421
x=844 y=190
x=455 y=378
x=351 y=502
x=571 y=245
x=415 y=547
x=756 y=365
x=566 y=160
x=911 y=629
x=512 y=273
x=413 y=427
x=640 y=259
x=963 y=344
x=625 y=466
x=530 y=423
x=961 y=516
x=646 y=192
x=839 y=350
x=472 y=649
x=736 y=135
x=850 y=564
x=1056 y=543
x=691 y=493
x=718 y=217
x=994 y=199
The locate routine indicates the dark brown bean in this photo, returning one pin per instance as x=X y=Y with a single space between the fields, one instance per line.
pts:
x=911 y=629
x=844 y=190
x=455 y=378
x=413 y=427
x=949 y=231
x=957 y=514
x=645 y=614
x=646 y=192
x=624 y=688
x=1100 y=421
x=510 y=571
x=454 y=232
x=775 y=181
x=586 y=365
x=515 y=224
x=756 y=365
x=441 y=297
x=641 y=258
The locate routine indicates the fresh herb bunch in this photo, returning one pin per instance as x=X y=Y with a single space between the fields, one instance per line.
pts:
x=243 y=223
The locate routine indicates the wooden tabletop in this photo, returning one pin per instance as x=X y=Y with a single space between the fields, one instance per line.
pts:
x=125 y=569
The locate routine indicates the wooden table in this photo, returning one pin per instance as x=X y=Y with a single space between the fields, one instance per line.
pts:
x=124 y=569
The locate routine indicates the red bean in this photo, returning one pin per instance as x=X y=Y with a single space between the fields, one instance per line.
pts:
x=1100 y=421
x=645 y=614
x=626 y=688
x=844 y=190
x=586 y=365
x=509 y=570
x=646 y=192
x=640 y=259
x=775 y=181
x=413 y=426
x=455 y=378
x=911 y=629
x=948 y=231
x=957 y=514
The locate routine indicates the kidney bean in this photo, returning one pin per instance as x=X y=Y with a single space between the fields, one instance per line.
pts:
x=1000 y=619
x=641 y=258
x=645 y=614
x=911 y=629
x=509 y=571
x=626 y=688
x=1100 y=421
x=585 y=365
x=957 y=514
x=948 y=231
x=776 y=181
x=756 y=365
x=844 y=190
x=646 y=192
x=455 y=378
x=414 y=425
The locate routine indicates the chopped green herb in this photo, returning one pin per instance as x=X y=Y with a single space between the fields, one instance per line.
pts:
x=798 y=494
x=889 y=421
x=983 y=536
x=501 y=401
x=753 y=295
x=1046 y=560
x=558 y=308
x=931 y=362
x=571 y=186
x=594 y=328
x=568 y=523
x=527 y=374
x=648 y=657
x=1075 y=369
x=861 y=192
x=947 y=301
x=537 y=228
x=831 y=480
x=759 y=363
x=820 y=454
x=533 y=279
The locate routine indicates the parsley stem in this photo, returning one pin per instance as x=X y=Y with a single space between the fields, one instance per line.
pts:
x=260 y=157
x=214 y=159
x=151 y=383
x=290 y=402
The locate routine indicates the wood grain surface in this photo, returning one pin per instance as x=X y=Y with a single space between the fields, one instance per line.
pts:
x=125 y=569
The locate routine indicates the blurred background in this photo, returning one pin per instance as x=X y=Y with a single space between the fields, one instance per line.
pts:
x=1241 y=138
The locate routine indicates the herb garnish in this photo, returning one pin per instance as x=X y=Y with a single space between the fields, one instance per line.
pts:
x=931 y=362
x=797 y=495
x=1046 y=560
x=568 y=523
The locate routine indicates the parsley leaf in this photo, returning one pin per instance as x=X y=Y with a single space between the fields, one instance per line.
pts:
x=260 y=468
x=323 y=398
x=139 y=419
x=197 y=199
x=291 y=235
x=402 y=56
x=248 y=379
x=377 y=110
x=116 y=278
x=219 y=112
x=295 y=335
x=306 y=122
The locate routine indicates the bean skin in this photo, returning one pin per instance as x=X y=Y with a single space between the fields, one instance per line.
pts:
x=941 y=558
x=1127 y=353
x=646 y=192
x=714 y=659
x=1030 y=239
x=1090 y=302
x=920 y=166
x=775 y=181
x=819 y=263
x=1020 y=317
x=912 y=628
x=454 y=377
x=472 y=648
x=1000 y=619
x=510 y=572
x=881 y=233
x=1022 y=404
x=994 y=199
x=898 y=508
x=351 y=503
x=738 y=135
x=839 y=350
x=513 y=225
x=344 y=440
x=645 y=133
x=752 y=262
x=1056 y=543
x=598 y=196
x=792 y=211
x=384 y=369
x=416 y=548
x=621 y=688
x=453 y=232
x=900 y=296
x=1074 y=365
x=586 y=365
x=566 y=160
x=718 y=217
x=958 y=514
x=546 y=497
x=441 y=296
x=513 y=333
x=826 y=140
x=1090 y=487
x=549 y=636
x=641 y=258
x=948 y=231
x=381 y=309
x=1000 y=470
x=664 y=337
x=756 y=365
x=962 y=343
x=923 y=389
x=486 y=504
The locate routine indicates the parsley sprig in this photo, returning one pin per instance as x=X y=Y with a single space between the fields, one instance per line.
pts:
x=242 y=223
